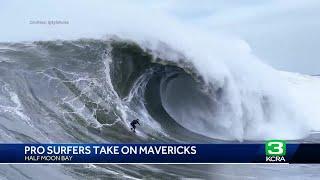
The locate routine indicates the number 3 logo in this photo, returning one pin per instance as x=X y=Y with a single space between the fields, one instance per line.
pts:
x=275 y=148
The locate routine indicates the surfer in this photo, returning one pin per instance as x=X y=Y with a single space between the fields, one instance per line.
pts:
x=133 y=124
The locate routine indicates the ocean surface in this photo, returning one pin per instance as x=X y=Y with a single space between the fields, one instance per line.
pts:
x=89 y=90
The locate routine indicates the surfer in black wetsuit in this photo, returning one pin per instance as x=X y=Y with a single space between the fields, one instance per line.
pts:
x=133 y=124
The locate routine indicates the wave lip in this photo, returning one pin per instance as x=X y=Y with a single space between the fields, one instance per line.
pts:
x=228 y=109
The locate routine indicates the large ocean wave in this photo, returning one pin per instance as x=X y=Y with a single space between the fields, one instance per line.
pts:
x=89 y=90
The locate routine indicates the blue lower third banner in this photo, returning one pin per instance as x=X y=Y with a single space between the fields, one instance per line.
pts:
x=275 y=151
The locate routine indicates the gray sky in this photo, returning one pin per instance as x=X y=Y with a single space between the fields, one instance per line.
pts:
x=285 y=34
